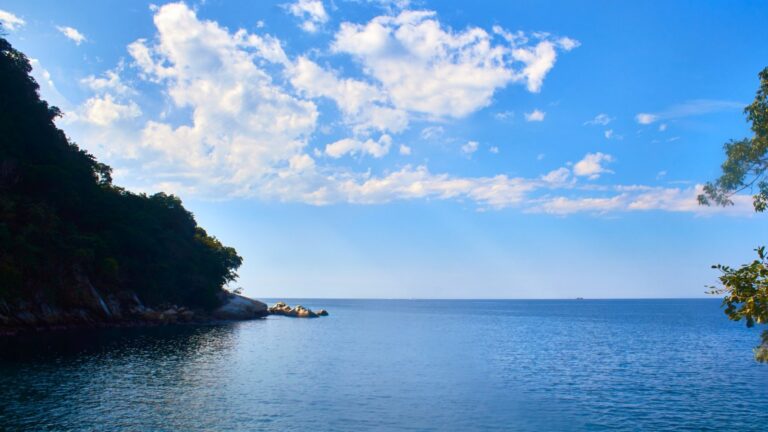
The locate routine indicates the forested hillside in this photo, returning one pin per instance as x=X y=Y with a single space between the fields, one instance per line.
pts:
x=70 y=238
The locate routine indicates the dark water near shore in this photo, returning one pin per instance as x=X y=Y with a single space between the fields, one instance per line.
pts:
x=400 y=365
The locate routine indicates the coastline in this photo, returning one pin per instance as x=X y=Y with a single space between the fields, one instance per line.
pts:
x=25 y=317
x=45 y=318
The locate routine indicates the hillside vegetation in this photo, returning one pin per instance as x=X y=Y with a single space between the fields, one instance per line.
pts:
x=67 y=234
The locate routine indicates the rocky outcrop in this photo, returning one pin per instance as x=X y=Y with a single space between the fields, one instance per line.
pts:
x=280 y=308
x=237 y=307
x=92 y=309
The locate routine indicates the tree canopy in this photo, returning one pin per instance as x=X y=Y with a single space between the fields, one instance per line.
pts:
x=745 y=168
x=61 y=218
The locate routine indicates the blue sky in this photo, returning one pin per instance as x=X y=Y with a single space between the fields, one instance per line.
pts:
x=421 y=149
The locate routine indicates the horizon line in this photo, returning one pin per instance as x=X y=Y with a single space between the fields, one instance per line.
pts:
x=491 y=299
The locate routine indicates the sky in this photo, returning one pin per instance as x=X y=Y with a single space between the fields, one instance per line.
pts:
x=421 y=149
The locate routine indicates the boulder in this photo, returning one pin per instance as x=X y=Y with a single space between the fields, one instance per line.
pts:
x=237 y=307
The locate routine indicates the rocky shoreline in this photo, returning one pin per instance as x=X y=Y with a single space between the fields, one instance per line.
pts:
x=110 y=312
x=24 y=318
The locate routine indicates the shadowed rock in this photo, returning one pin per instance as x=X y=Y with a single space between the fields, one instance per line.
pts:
x=237 y=307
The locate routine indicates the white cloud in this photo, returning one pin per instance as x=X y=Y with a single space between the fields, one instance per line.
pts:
x=662 y=127
x=640 y=198
x=494 y=150
x=535 y=116
x=312 y=12
x=610 y=134
x=565 y=205
x=539 y=60
x=567 y=43
x=10 y=21
x=688 y=109
x=409 y=183
x=426 y=68
x=104 y=110
x=504 y=115
x=72 y=34
x=37 y=67
x=238 y=129
x=592 y=165
x=364 y=106
x=432 y=132
x=391 y=5
x=645 y=118
x=353 y=146
x=600 y=119
x=109 y=81
x=558 y=176
x=48 y=89
x=301 y=162
x=470 y=147
x=242 y=126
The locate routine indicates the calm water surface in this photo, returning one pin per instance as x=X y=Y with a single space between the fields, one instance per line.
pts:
x=400 y=365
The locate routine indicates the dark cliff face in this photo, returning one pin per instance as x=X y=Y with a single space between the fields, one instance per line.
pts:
x=76 y=246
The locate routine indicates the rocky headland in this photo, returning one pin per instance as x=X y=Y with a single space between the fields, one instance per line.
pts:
x=95 y=310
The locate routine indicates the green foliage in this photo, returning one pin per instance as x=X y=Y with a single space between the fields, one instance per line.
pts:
x=745 y=167
x=746 y=159
x=61 y=216
x=746 y=295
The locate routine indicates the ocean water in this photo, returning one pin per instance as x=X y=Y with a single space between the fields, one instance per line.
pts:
x=400 y=365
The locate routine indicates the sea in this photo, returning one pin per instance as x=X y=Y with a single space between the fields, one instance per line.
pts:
x=400 y=365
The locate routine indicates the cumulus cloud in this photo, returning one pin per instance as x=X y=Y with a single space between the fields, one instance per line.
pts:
x=241 y=113
x=558 y=176
x=104 y=110
x=365 y=107
x=494 y=150
x=10 y=21
x=592 y=166
x=110 y=81
x=242 y=124
x=535 y=116
x=470 y=147
x=567 y=43
x=72 y=34
x=427 y=68
x=645 y=118
x=377 y=148
x=311 y=12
